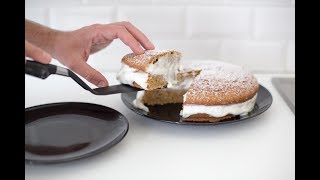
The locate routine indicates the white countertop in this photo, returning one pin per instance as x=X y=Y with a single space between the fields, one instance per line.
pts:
x=259 y=148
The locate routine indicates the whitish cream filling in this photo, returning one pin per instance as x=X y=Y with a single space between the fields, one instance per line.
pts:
x=138 y=102
x=184 y=84
x=219 y=111
x=128 y=75
x=167 y=66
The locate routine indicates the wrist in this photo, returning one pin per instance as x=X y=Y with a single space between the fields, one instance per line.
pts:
x=58 y=42
x=42 y=36
x=54 y=37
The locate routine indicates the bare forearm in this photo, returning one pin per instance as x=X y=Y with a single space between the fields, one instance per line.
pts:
x=41 y=36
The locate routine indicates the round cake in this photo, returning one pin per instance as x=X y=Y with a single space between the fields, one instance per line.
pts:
x=209 y=91
x=220 y=91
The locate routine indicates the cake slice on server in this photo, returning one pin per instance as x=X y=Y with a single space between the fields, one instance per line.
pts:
x=152 y=70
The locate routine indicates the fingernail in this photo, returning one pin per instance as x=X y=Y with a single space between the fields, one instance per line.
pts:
x=102 y=84
x=151 y=45
x=139 y=51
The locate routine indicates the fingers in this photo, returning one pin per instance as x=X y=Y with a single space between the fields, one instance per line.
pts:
x=128 y=34
x=90 y=74
x=36 y=53
x=111 y=32
x=138 y=35
x=127 y=38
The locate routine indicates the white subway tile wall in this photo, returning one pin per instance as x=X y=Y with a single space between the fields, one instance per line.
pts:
x=164 y=22
x=51 y=3
x=40 y=15
x=257 y=34
x=218 y=22
x=206 y=49
x=259 y=56
x=274 y=23
x=77 y=17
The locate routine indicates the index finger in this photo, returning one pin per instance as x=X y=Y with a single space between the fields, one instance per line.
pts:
x=137 y=34
x=116 y=31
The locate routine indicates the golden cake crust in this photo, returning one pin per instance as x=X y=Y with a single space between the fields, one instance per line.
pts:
x=221 y=84
x=141 y=61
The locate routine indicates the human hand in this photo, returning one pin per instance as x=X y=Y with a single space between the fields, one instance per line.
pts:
x=73 y=48
x=36 y=53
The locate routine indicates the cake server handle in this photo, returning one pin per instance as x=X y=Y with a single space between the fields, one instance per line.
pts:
x=43 y=71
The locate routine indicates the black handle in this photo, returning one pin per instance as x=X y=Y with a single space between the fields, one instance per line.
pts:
x=39 y=70
x=42 y=71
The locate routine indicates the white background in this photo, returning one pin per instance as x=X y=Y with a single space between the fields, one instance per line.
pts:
x=257 y=34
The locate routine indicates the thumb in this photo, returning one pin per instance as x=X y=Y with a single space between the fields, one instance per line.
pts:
x=36 y=53
x=90 y=74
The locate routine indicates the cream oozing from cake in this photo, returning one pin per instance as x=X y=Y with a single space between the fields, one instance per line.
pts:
x=184 y=84
x=128 y=75
x=166 y=66
x=219 y=110
x=138 y=103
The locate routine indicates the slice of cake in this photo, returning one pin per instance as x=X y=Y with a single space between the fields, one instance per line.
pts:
x=152 y=70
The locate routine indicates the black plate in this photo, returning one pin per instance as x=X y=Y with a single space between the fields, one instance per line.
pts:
x=171 y=113
x=62 y=132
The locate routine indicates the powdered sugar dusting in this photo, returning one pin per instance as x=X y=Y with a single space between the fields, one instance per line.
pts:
x=155 y=52
x=218 y=79
x=139 y=60
x=142 y=60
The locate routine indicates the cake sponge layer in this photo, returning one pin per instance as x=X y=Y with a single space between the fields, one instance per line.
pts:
x=151 y=70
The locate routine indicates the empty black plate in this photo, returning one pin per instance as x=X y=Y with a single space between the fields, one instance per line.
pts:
x=171 y=113
x=62 y=132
